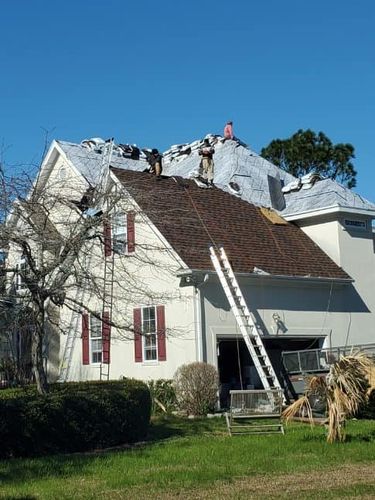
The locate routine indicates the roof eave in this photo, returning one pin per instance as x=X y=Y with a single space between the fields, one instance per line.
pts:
x=269 y=277
x=307 y=214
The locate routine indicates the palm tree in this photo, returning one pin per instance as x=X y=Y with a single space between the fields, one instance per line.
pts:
x=342 y=391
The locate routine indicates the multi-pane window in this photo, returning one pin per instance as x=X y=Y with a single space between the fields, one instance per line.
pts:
x=120 y=233
x=150 y=352
x=96 y=341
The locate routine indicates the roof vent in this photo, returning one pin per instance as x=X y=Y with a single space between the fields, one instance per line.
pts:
x=234 y=188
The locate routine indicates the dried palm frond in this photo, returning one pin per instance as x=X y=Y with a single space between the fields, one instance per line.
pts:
x=317 y=385
x=335 y=421
x=300 y=408
x=349 y=380
x=343 y=391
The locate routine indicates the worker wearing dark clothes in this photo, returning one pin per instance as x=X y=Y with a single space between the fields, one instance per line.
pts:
x=155 y=161
x=207 y=163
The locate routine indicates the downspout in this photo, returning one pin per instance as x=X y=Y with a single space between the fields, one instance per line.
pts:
x=198 y=315
x=198 y=323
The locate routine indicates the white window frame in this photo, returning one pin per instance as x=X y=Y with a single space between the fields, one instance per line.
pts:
x=96 y=339
x=120 y=233
x=149 y=334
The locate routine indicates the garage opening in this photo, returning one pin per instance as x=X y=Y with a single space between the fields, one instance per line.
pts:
x=237 y=370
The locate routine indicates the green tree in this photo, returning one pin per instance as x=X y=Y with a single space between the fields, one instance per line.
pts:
x=307 y=151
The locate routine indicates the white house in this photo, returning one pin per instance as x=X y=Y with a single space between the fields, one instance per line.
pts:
x=302 y=251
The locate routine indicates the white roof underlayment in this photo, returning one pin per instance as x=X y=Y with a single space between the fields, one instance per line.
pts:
x=233 y=163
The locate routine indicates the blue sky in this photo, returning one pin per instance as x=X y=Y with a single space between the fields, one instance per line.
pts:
x=156 y=73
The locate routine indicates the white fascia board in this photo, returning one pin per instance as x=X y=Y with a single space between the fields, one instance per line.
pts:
x=329 y=210
x=148 y=221
x=277 y=278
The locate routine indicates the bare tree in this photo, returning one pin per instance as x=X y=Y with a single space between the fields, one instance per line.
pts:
x=53 y=235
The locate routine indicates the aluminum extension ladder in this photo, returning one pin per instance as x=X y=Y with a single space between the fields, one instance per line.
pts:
x=73 y=332
x=109 y=264
x=244 y=320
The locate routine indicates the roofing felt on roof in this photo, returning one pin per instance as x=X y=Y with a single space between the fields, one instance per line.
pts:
x=324 y=194
x=191 y=219
x=236 y=163
x=91 y=164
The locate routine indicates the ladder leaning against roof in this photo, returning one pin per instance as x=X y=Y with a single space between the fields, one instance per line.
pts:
x=244 y=319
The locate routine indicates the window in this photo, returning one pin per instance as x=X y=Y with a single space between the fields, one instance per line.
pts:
x=149 y=330
x=62 y=173
x=150 y=351
x=96 y=338
x=120 y=233
x=356 y=224
x=96 y=342
x=22 y=272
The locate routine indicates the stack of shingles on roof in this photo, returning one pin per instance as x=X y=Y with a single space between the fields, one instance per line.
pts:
x=191 y=219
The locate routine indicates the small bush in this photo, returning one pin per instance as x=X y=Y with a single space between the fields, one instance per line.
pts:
x=196 y=387
x=163 y=396
x=73 y=417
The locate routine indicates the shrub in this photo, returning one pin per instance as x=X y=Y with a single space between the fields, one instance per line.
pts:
x=163 y=396
x=73 y=417
x=196 y=387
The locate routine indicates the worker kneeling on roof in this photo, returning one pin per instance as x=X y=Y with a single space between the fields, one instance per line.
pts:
x=155 y=161
x=206 y=166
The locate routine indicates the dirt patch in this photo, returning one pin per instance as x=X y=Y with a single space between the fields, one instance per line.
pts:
x=297 y=486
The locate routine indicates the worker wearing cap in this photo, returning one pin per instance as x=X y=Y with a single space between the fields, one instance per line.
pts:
x=155 y=161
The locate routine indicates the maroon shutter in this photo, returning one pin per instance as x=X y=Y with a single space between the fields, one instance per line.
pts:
x=160 y=319
x=131 y=231
x=137 y=318
x=106 y=337
x=85 y=339
x=107 y=238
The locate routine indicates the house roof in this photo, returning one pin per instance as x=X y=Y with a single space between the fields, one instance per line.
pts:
x=192 y=219
x=250 y=171
x=233 y=163
x=325 y=194
x=91 y=163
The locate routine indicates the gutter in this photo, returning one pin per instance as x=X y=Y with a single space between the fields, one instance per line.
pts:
x=328 y=210
x=190 y=277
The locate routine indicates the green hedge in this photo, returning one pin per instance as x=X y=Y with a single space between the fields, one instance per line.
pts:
x=73 y=417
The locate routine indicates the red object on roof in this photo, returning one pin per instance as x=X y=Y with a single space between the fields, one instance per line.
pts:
x=192 y=219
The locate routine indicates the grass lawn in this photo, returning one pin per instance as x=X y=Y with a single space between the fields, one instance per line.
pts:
x=196 y=459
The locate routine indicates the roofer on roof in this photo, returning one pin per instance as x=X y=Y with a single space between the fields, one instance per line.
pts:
x=206 y=167
x=155 y=161
x=228 y=130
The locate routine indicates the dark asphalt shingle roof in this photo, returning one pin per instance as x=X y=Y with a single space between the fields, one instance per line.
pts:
x=191 y=218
